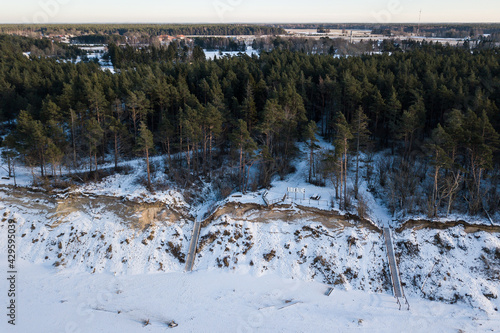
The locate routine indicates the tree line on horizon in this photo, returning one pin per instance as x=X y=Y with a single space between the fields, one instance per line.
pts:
x=141 y=29
x=432 y=110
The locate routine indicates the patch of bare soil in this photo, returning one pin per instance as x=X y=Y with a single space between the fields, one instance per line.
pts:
x=34 y=199
x=137 y=215
x=468 y=228
x=262 y=214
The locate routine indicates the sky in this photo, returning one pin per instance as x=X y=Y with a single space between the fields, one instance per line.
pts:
x=248 y=11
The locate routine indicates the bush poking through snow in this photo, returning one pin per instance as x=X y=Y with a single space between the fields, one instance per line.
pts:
x=176 y=252
x=269 y=256
x=443 y=242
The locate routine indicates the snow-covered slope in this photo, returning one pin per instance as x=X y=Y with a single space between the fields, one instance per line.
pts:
x=450 y=265
x=290 y=242
x=115 y=231
x=98 y=234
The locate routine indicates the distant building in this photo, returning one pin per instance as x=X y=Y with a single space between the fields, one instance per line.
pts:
x=166 y=39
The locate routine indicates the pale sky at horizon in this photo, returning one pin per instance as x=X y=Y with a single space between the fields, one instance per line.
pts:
x=248 y=11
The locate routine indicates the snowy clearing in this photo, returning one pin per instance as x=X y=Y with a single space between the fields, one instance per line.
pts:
x=218 y=301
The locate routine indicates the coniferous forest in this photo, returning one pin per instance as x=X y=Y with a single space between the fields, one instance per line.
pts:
x=114 y=30
x=430 y=110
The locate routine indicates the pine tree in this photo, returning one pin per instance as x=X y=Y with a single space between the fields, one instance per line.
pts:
x=249 y=110
x=191 y=130
x=436 y=147
x=481 y=141
x=343 y=136
x=213 y=121
x=10 y=155
x=310 y=135
x=73 y=118
x=392 y=110
x=246 y=147
x=145 y=144
x=139 y=107
x=33 y=141
x=93 y=134
x=412 y=121
x=352 y=94
x=118 y=130
x=166 y=134
x=54 y=155
x=376 y=108
x=56 y=144
x=96 y=100
x=360 y=132
x=198 y=54
x=270 y=126
x=272 y=118
x=50 y=111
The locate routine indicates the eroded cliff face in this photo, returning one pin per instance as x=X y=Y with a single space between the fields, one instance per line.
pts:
x=59 y=209
x=449 y=262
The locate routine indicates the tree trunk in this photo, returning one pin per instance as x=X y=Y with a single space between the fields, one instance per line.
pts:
x=42 y=162
x=435 y=191
x=341 y=180
x=14 y=172
x=180 y=141
x=450 y=189
x=345 y=174
x=205 y=141
x=311 y=152
x=357 y=161
x=9 y=166
x=210 y=154
x=95 y=160
x=73 y=138
x=240 y=168
x=248 y=175
x=116 y=151
x=168 y=153
x=188 y=156
x=147 y=166
x=134 y=120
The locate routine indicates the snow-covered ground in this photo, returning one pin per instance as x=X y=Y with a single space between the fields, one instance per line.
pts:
x=211 y=54
x=94 y=269
x=128 y=185
x=97 y=52
x=321 y=197
x=109 y=256
x=217 y=301
x=132 y=186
